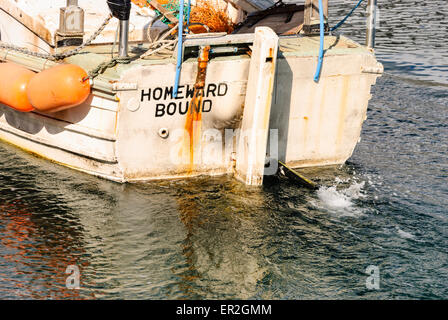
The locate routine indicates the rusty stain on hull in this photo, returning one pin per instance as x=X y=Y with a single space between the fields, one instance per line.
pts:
x=194 y=116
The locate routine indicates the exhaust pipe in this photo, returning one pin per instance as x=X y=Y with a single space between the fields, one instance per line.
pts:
x=121 y=9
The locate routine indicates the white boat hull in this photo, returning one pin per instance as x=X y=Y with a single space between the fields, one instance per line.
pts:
x=132 y=128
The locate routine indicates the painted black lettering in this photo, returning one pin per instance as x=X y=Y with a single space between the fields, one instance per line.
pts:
x=179 y=92
x=190 y=92
x=168 y=93
x=148 y=94
x=209 y=106
x=187 y=104
x=171 y=108
x=160 y=110
x=222 y=89
x=211 y=89
x=157 y=93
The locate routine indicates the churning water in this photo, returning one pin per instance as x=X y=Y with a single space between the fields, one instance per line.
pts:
x=215 y=238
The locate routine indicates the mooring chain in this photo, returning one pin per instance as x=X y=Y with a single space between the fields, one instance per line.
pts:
x=58 y=56
x=70 y=53
x=25 y=51
x=104 y=66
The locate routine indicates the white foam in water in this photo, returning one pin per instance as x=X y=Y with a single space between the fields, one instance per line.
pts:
x=333 y=198
x=404 y=234
x=340 y=200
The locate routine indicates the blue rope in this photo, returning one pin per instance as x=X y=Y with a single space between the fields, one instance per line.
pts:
x=347 y=16
x=321 y=45
x=188 y=14
x=179 y=48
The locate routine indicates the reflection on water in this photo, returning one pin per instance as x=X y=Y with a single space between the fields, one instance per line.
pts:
x=215 y=238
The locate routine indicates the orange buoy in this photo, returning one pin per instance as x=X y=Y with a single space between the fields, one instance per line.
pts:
x=14 y=80
x=58 y=88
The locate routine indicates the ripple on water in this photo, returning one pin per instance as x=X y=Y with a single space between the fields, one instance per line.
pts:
x=214 y=238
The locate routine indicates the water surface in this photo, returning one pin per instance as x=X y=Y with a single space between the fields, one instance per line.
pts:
x=214 y=238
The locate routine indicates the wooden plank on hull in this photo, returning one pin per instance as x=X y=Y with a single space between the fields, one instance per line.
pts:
x=251 y=150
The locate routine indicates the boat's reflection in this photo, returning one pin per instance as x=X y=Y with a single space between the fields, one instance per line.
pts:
x=222 y=242
x=35 y=253
x=182 y=239
x=194 y=238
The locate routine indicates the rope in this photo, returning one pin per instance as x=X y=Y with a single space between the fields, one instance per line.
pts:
x=102 y=67
x=188 y=15
x=179 y=49
x=321 y=45
x=322 y=35
x=340 y=23
x=161 y=43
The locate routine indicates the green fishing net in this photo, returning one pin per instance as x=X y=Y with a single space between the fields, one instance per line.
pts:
x=172 y=6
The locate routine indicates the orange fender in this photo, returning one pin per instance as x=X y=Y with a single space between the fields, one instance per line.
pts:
x=58 y=88
x=14 y=80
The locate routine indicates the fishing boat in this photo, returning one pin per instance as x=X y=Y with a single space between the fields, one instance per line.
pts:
x=127 y=93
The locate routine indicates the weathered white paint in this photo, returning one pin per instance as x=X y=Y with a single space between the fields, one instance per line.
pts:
x=144 y=154
x=117 y=135
x=319 y=124
x=251 y=152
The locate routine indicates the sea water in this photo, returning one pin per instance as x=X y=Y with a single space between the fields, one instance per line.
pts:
x=384 y=210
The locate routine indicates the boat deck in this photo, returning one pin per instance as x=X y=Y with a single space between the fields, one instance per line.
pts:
x=92 y=56
x=288 y=46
